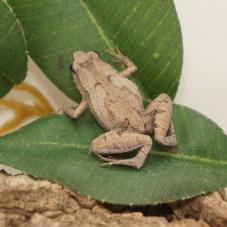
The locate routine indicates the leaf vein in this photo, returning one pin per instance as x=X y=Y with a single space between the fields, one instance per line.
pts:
x=8 y=33
x=97 y=26
x=8 y=78
x=178 y=156
x=191 y=157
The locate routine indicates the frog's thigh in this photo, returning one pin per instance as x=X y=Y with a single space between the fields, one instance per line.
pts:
x=160 y=109
x=116 y=142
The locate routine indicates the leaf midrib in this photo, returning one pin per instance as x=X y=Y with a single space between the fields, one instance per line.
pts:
x=99 y=29
x=159 y=153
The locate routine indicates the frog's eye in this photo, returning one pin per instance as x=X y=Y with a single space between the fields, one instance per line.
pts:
x=71 y=68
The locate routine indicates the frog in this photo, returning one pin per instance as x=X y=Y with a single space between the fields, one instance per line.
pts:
x=117 y=105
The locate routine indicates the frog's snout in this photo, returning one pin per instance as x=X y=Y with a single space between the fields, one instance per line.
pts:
x=71 y=68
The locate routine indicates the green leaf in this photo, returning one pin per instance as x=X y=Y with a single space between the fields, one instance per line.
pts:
x=13 y=57
x=147 y=31
x=57 y=148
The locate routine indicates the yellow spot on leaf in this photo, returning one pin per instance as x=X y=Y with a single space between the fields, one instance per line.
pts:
x=156 y=55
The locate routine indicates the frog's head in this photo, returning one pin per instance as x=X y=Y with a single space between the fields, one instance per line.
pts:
x=83 y=59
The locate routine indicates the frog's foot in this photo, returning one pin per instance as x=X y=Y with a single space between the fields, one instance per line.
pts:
x=169 y=139
x=117 y=55
x=132 y=162
x=123 y=60
x=118 y=142
x=158 y=120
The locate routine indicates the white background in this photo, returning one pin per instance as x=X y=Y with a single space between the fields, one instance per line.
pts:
x=204 y=77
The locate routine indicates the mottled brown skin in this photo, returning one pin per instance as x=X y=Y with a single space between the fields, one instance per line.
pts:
x=117 y=105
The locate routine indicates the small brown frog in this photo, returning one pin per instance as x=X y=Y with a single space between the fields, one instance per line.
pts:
x=116 y=103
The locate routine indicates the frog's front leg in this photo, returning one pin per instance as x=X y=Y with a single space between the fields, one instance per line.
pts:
x=124 y=60
x=75 y=112
x=117 y=142
x=158 y=120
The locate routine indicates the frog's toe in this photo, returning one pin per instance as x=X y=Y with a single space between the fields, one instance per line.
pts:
x=106 y=158
x=133 y=162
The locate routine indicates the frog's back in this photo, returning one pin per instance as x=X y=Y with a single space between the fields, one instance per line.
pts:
x=119 y=104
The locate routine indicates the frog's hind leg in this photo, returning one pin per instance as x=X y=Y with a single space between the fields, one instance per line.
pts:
x=118 y=142
x=158 y=120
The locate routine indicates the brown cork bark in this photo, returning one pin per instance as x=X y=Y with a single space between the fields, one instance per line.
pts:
x=212 y=208
x=27 y=202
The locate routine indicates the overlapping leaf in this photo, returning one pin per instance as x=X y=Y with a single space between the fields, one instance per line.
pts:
x=147 y=31
x=13 y=58
x=57 y=148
